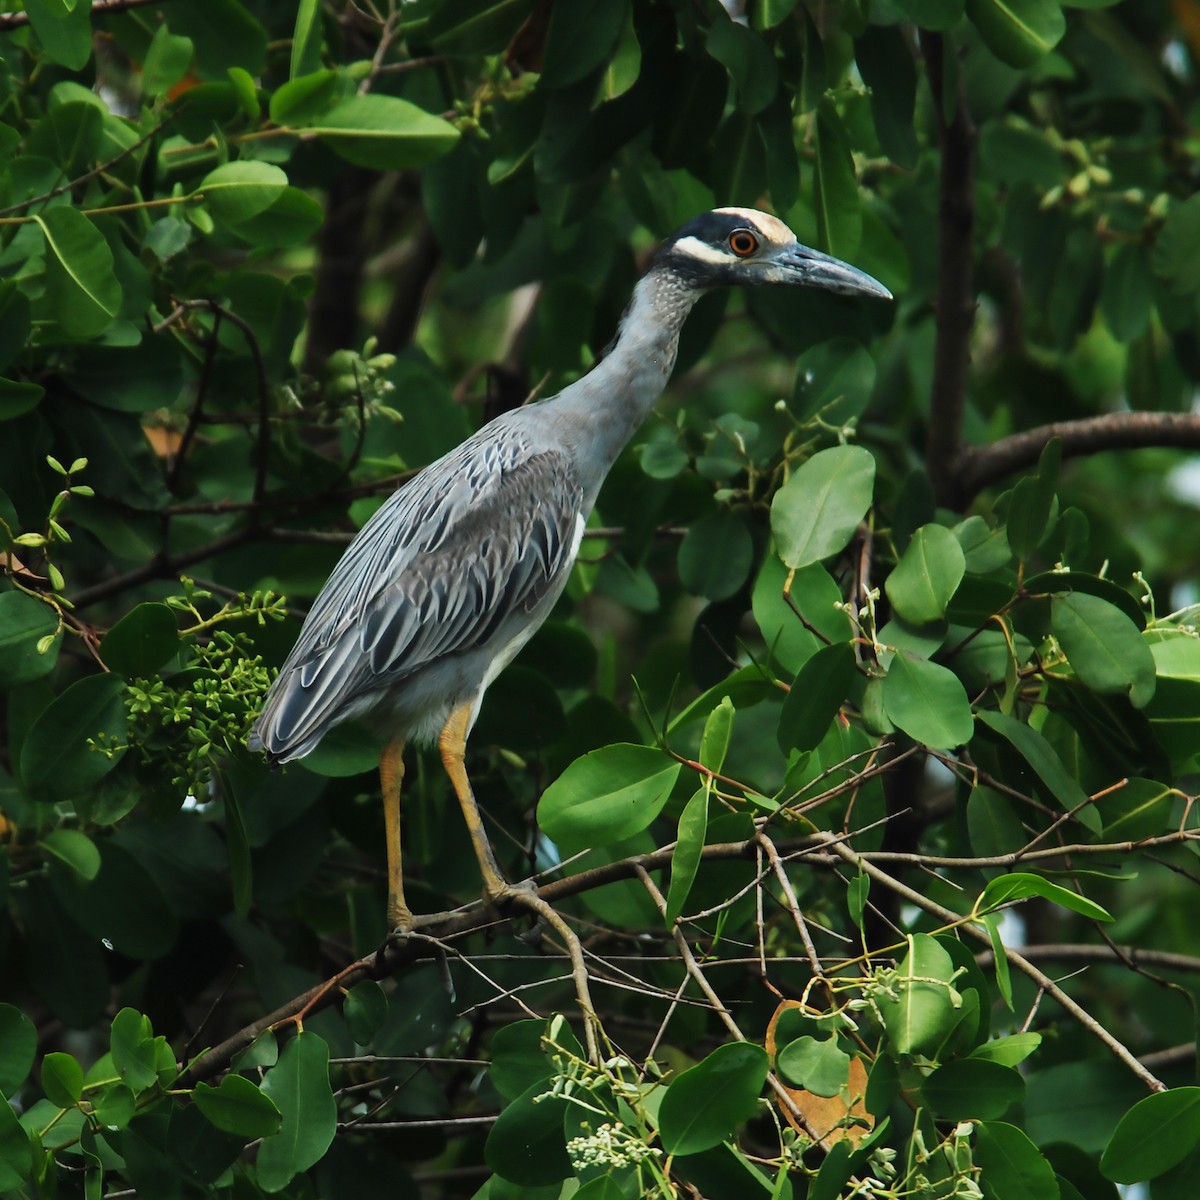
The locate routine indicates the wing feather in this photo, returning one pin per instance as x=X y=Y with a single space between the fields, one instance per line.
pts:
x=479 y=536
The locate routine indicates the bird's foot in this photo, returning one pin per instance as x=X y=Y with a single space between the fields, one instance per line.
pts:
x=400 y=921
x=501 y=894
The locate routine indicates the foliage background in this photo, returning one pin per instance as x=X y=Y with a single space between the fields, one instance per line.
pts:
x=259 y=261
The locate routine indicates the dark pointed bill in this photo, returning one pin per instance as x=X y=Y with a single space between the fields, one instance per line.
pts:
x=811 y=268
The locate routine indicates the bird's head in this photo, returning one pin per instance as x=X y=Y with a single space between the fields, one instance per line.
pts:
x=742 y=246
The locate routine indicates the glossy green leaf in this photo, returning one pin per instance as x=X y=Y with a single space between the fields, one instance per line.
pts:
x=167 y=61
x=1046 y=765
x=1140 y=809
x=519 y=1061
x=303 y=98
x=1012 y=1164
x=715 y=555
x=969 y=1088
x=1018 y=32
x=526 y=1144
x=984 y=549
x=24 y=622
x=74 y=849
x=818 y=1065
x=1127 y=296
x=718 y=729
x=59 y=760
x=927 y=575
x=834 y=380
x=927 y=701
x=307 y=39
x=132 y=1048
x=1031 y=504
x=1104 y=646
x=82 y=291
x=925 y=1006
x=932 y=14
x=1176 y=253
x=385 y=132
x=816 y=696
x=606 y=796
x=815 y=598
x=114 y=1106
x=365 y=1009
x=18 y=397
x=704 y=1105
x=815 y=514
x=835 y=186
x=64 y=29
x=1020 y=885
x=299 y=1087
x=62 y=1079
x=143 y=640
x=1155 y=1134
x=476 y=26
x=748 y=59
x=238 y=191
x=18 y=1045
x=581 y=36
x=16 y=1153
x=685 y=858
x=238 y=1106
x=1008 y=1051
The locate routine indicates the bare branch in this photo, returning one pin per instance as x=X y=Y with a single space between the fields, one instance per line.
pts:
x=11 y=21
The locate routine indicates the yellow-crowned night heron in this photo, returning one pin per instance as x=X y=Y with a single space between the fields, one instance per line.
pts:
x=451 y=577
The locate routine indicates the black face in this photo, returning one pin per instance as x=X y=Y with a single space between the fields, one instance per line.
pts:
x=727 y=233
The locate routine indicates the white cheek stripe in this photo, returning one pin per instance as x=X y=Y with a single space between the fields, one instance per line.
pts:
x=693 y=247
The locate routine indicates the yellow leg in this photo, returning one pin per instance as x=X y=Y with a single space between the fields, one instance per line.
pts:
x=453 y=745
x=391 y=778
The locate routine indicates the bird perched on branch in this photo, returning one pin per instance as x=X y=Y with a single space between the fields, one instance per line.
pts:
x=456 y=571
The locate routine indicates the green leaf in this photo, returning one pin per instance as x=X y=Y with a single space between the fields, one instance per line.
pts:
x=925 y=1007
x=526 y=1145
x=833 y=380
x=685 y=858
x=1020 y=885
x=932 y=14
x=818 y=1065
x=927 y=575
x=1155 y=1134
x=476 y=26
x=62 y=1079
x=17 y=397
x=927 y=701
x=835 y=186
x=1046 y=765
x=115 y=1106
x=1104 y=647
x=238 y=191
x=1008 y=1051
x=76 y=850
x=304 y=97
x=307 y=39
x=385 y=132
x=167 y=61
x=748 y=59
x=299 y=1087
x=82 y=291
x=1127 y=295
x=984 y=549
x=704 y=1105
x=365 y=1009
x=814 y=595
x=24 y=621
x=1012 y=1164
x=58 y=760
x=1000 y=960
x=1140 y=809
x=64 y=28
x=1018 y=32
x=581 y=35
x=718 y=729
x=18 y=1046
x=715 y=555
x=16 y=1153
x=518 y=1059
x=970 y=1088
x=857 y=891
x=1031 y=504
x=816 y=696
x=815 y=514
x=1176 y=253
x=606 y=796
x=143 y=640
x=238 y=1106
x=133 y=1051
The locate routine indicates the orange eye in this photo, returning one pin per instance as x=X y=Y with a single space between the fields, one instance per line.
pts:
x=743 y=243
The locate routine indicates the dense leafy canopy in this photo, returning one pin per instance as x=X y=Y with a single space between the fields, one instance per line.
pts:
x=871 y=713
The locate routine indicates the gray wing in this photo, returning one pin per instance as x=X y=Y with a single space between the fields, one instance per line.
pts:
x=478 y=536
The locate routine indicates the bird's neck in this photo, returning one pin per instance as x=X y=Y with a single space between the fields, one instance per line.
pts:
x=604 y=409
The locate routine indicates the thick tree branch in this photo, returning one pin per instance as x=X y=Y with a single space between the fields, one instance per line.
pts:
x=955 y=303
x=976 y=467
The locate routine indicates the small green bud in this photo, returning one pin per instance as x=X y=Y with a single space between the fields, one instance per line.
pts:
x=55 y=465
x=34 y=540
x=78 y=465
